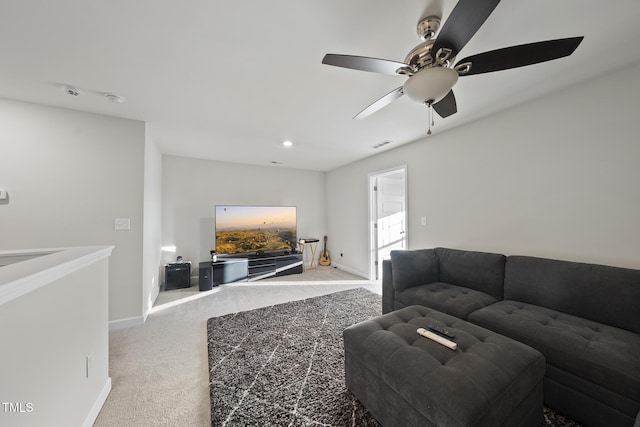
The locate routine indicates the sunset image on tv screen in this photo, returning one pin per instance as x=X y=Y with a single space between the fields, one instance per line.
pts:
x=246 y=229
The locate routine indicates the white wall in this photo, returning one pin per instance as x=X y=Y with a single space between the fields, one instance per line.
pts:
x=152 y=228
x=192 y=188
x=69 y=175
x=557 y=177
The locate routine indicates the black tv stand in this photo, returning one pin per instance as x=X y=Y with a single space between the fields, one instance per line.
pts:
x=263 y=265
x=249 y=267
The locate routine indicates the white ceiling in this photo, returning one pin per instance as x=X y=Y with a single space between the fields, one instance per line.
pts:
x=230 y=80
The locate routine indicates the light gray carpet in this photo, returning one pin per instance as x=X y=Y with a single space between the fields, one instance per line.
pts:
x=284 y=364
x=159 y=370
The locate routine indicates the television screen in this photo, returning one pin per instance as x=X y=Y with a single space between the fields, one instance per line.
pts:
x=248 y=229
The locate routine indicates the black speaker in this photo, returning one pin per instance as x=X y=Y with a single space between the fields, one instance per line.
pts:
x=177 y=275
x=205 y=276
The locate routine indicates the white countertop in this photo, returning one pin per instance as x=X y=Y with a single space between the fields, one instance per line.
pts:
x=23 y=271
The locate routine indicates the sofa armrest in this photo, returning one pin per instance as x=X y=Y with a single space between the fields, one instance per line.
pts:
x=414 y=268
x=388 y=293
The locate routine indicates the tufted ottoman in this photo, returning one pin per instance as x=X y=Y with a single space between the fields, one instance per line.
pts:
x=405 y=379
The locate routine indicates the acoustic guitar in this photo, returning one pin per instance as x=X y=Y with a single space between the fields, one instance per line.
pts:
x=324 y=255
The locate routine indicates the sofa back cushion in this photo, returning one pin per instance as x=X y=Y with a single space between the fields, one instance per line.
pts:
x=482 y=271
x=413 y=268
x=604 y=294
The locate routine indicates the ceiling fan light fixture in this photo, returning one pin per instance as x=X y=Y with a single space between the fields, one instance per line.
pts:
x=430 y=84
x=429 y=66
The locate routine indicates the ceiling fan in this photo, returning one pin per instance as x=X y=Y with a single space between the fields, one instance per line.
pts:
x=429 y=65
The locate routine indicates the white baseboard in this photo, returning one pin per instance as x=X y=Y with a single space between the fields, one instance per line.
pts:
x=152 y=300
x=351 y=270
x=127 y=323
x=138 y=320
x=98 y=404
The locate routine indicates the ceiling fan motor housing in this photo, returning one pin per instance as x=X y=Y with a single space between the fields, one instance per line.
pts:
x=428 y=26
x=420 y=56
x=430 y=85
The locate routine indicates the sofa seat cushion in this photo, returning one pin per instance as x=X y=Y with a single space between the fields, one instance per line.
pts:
x=604 y=355
x=455 y=300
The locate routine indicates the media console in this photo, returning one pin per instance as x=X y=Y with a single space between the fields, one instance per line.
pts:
x=232 y=268
x=224 y=270
x=263 y=266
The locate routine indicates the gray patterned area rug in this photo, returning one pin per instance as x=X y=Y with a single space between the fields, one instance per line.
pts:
x=283 y=365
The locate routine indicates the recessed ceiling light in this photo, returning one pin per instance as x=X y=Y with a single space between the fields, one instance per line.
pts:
x=287 y=143
x=114 y=98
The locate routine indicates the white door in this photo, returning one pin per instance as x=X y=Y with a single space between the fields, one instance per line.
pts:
x=388 y=216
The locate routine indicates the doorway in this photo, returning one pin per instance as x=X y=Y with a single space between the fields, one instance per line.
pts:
x=387 y=216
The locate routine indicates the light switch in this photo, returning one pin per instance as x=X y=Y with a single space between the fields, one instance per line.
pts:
x=3 y=194
x=122 y=224
x=423 y=220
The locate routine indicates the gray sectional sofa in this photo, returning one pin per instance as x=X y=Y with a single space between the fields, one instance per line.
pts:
x=584 y=319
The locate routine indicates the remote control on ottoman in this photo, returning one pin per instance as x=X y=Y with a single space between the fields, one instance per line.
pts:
x=405 y=379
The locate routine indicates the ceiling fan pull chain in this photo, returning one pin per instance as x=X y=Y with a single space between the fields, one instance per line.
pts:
x=430 y=117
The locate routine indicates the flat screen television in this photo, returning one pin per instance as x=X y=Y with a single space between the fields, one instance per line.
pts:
x=255 y=229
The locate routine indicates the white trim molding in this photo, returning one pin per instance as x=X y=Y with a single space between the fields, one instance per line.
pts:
x=35 y=268
x=114 y=325
x=98 y=404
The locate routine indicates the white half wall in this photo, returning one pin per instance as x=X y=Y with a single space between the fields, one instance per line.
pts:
x=69 y=174
x=192 y=188
x=557 y=177
x=54 y=366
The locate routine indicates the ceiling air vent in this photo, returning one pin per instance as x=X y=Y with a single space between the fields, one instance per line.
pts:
x=382 y=144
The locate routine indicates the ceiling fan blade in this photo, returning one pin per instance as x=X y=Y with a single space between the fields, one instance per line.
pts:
x=446 y=106
x=463 y=22
x=380 y=103
x=518 y=56
x=363 y=63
